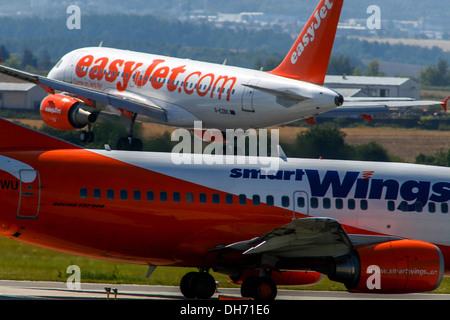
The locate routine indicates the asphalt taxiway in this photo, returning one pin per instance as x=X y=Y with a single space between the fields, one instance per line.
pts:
x=39 y=290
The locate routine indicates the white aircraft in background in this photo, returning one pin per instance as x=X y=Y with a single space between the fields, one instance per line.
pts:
x=178 y=92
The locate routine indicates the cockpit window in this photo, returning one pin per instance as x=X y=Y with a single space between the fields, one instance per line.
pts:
x=59 y=63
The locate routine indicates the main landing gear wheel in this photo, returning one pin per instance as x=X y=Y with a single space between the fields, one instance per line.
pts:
x=259 y=288
x=198 y=285
x=86 y=136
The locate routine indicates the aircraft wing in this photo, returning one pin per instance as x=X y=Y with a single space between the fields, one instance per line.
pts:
x=356 y=106
x=89 y=95
x=306 y=238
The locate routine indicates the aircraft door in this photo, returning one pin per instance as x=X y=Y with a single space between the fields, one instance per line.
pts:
x=301 y=204
x=30 y=194
x=247 y=96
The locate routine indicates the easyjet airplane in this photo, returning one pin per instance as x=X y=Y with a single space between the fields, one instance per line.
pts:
x=376 y=227
x=177 y=92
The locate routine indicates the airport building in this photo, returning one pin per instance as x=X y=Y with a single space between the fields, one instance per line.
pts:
x=361 y=86
x=18 y=94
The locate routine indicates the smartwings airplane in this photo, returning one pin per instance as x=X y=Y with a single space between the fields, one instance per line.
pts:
x=376 y=227
x=177 y=92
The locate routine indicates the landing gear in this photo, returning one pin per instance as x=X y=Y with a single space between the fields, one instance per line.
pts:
x=129 y=144
x=259 y=288
x=87 y=136
x=198 y=285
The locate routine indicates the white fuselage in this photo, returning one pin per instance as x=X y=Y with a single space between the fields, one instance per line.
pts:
x=396 y=199
x=189 y=91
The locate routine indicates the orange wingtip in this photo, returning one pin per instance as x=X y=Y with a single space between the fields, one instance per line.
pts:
x=446 y=103
x=367 y=117
x=311 y=120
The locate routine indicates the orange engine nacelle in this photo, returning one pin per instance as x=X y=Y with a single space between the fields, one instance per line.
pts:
x=285 y=278
x=401 y=266
x=65 y=112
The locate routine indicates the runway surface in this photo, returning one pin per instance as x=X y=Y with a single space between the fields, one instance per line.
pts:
x=38 y=290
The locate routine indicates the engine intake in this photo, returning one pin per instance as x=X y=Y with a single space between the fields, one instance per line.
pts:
x=401 y=266
x=64 y=112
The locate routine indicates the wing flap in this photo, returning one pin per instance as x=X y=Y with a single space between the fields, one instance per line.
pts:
x=306 y=237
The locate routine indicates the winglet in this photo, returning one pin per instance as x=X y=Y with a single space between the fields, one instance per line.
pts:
x=308 y=58
x=16 y=137
x=446 y=103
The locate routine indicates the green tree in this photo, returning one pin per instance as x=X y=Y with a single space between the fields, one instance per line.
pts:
x=28 y=59
x=320 y=141
x=340 y=65
x=373 y=69
x=371 y=151
x=435 y=76
x=46 y=61
x=4 y=53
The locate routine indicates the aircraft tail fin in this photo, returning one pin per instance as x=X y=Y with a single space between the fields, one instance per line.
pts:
x=16 y=137
x=308 y=58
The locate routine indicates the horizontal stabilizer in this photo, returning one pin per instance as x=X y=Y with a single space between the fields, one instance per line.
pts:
x=285 y=94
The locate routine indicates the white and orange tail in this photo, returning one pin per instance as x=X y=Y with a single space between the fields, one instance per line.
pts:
x=309 y=56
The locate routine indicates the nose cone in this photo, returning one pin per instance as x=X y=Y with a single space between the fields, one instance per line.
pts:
x=339 y=100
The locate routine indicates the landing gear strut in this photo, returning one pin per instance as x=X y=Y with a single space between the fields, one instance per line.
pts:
x=130 y=143
x=198 y=285
x=87 y=136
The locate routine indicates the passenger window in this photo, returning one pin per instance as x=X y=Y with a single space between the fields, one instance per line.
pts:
x=339 y=203
x=419 y=206
x=189 y=197
x=391 y=205
x=404 y=206
x=300 y=202
x=285 y=201
x=150 y=196
x=176 y=197
x=216 y=198
x=229 y=199
x=163 y=196
x=242 y=199
x=256 y=200
x=364 y=205
x=314 y=202
x=431 y=207
x=202 y=197
x=110 y=194
x=270 y=201
x=444 y=208
x=123 y=194
x=97 y=193
x=326 y=203
x=351 y=204
x=83 y=193
x=136 y=195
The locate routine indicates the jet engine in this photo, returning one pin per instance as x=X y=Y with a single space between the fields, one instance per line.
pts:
x=65 y=112
x=400 y=266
